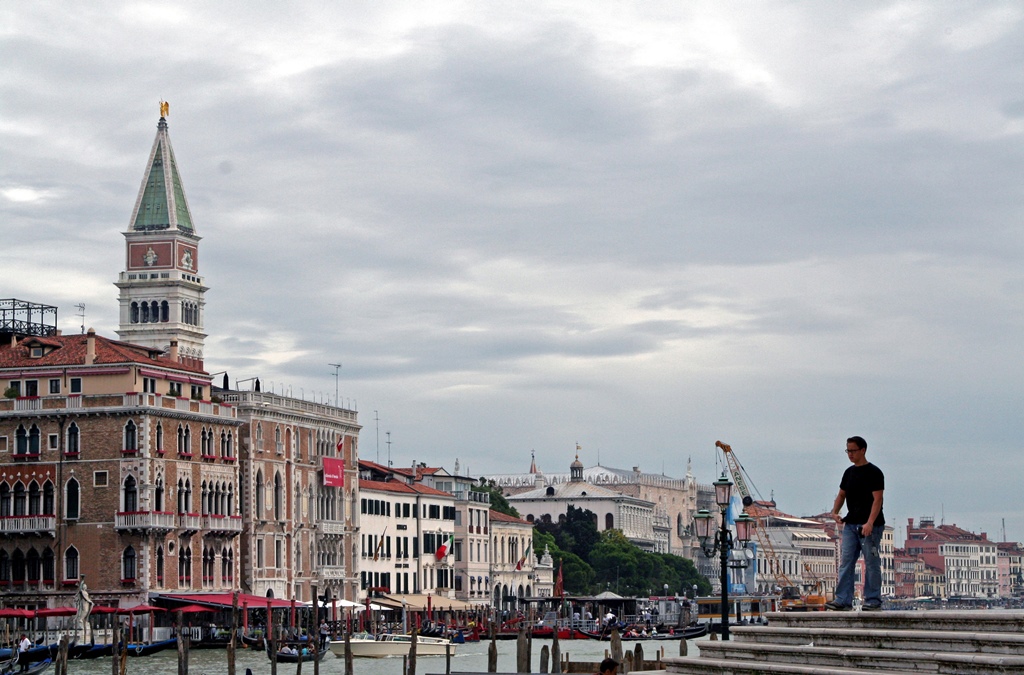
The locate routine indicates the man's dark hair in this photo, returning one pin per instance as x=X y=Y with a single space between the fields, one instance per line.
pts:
x=861 y=443
x=608 y=664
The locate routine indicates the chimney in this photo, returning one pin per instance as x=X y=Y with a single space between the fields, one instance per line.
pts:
x=14 y=340
x=174 y=350
x=58 y=332
x=90 y=347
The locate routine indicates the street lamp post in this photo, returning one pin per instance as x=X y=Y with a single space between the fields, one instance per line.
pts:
x=723 y=541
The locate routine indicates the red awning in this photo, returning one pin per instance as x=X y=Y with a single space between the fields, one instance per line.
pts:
x=17 y=613
x=193 y=609
x=57 y=611
x=222 y=600
x=141 y=609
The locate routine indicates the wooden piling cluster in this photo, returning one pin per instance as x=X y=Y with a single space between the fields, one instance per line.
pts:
x=631 y=661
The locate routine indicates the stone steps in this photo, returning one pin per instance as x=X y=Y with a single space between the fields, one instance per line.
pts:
x=944 y=642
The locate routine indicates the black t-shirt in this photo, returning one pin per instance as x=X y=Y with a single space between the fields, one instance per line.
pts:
x=858 y=483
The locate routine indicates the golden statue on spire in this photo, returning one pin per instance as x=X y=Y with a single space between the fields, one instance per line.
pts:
x=165 y=108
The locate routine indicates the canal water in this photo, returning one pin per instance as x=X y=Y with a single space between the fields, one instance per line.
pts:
x=470 y=657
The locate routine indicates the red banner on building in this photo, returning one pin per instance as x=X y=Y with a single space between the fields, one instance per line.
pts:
x=334 y=472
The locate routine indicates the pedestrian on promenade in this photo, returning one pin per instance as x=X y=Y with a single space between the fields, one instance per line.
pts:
x=861 y=489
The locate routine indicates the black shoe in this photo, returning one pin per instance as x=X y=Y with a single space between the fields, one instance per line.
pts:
x=871 y=608
x=836 y=607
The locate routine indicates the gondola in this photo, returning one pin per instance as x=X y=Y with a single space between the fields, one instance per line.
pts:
x=37 y=667
x=141 y=649
x=295 y=658
x=253 y=641
x=689 y=633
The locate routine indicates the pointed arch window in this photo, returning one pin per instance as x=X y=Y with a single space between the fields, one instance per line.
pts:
x=184 y=566
x=20 y=500
x=48 y=507
x=131 y=437
x=48 y=566
x=73 y=441
x=278 y=497
x=260 y=507
x=71 y=499
x=158 y=495
x=21 y=441
x=33 y=440
x=5 y=569
x=128 y=569
x=5 y=500
x=71 y=564
x=131 y=495
x=160 y=438
x=34 y=499
x=160 y=565
x=33 y=567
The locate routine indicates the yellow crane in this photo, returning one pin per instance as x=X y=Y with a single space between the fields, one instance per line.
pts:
x=792 y=598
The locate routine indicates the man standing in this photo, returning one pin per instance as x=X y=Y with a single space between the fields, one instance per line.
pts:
x=861 y=490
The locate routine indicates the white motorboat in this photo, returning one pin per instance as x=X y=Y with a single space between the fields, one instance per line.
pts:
x=392 y=644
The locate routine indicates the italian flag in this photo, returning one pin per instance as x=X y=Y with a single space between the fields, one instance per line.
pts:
x=442 y=550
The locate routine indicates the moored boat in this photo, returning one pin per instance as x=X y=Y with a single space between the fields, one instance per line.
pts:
x=366 y=645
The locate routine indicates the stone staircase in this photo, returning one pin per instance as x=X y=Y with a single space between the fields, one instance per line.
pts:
x=867 y=643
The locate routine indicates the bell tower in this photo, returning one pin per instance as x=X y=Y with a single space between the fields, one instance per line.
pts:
x=161 y=290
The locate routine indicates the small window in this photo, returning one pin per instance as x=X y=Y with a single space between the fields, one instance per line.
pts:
x=3 y=444
x=16 y=387
x=99 y=479
x=76 y=385
x=54 y=441
x=36 y=353
x=55 y=386
x=31 y=387
x=174 y=389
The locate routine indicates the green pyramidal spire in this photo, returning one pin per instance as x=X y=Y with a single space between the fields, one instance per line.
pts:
x=161 y=204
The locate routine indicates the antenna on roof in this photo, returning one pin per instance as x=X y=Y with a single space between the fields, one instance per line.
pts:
x=388 y=434
x=81 y=313
x=337 y=369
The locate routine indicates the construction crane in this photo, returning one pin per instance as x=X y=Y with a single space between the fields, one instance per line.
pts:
x=791 y=597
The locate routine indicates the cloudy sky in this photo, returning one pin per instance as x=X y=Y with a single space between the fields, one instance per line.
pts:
x=640 y=227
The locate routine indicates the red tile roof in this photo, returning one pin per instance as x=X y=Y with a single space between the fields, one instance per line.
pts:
x=505 y=518
x=69 y=350
x=398 y=486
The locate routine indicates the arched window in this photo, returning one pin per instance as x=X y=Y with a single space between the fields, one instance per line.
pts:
x=20 y=502
x=48 y=499
x=33 y=440
x=278 y=497
x=33 y=569
x=609 y=521
x=48 y=566
x=154 y=312
x=204 y=443
x=21 y=441
x=128 y=564
x=159 y=437
x=158 y=494
x=203 y=494
x=73 y=440
x=165 y=312
x=71 y=564
x=71 y=500
x=5 y=500
x=188 y=440
x=185 y=566
x=145 y=312
x=260 y=507
x=34 y=499
x=131 y=495
x=18 y=566
x=160 y=564
x=135 y=312
x=131 y=442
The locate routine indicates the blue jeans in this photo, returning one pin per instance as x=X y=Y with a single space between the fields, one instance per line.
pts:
x=853 y=546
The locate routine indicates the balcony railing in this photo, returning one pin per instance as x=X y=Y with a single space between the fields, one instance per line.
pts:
x=332 y=572
x=28 y=525
x=190 y=522
x=229 y=525
x=331 y=527
x=144 y=520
